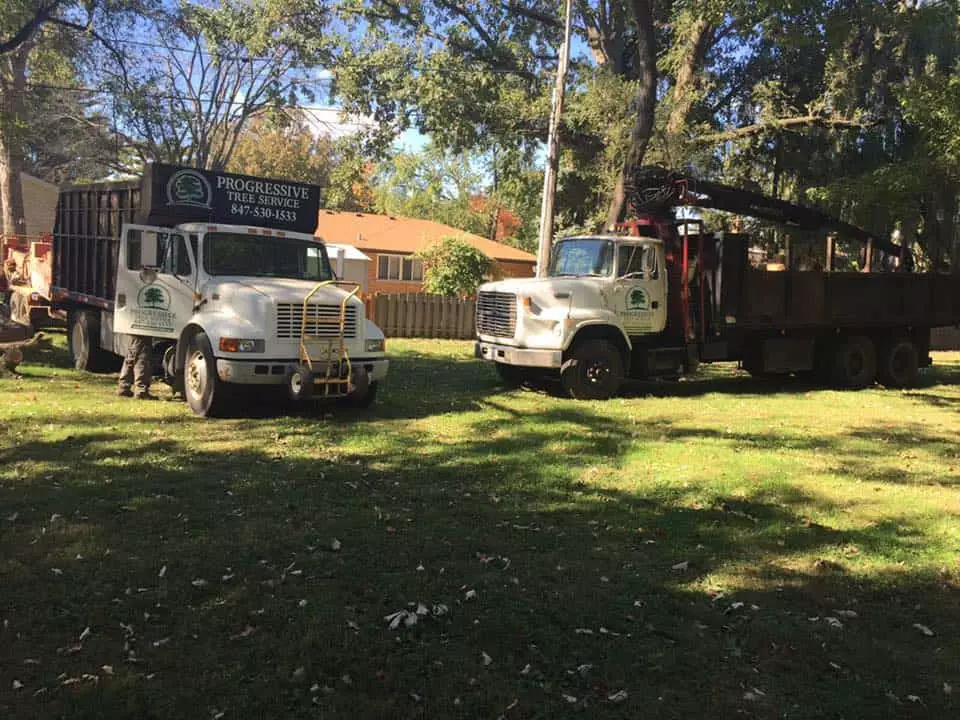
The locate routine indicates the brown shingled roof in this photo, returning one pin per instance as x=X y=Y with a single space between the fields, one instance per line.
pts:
x=389 y=234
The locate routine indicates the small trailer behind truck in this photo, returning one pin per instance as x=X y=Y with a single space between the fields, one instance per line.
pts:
x=223 y=272
x=664 y=295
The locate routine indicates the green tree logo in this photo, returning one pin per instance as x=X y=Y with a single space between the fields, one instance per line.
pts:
x=154 y=297
x=188 y=187
x=638 y=299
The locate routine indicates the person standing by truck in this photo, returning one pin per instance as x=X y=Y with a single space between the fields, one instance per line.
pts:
x=137 y=370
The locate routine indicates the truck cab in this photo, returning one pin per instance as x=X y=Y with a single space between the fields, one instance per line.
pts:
x=225 y=304
x=602 y=295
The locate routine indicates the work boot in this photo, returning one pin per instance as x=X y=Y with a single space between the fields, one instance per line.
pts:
x=124 y=392
x=145 y=395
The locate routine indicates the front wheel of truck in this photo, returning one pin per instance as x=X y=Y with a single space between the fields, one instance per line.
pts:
x=361 y=400
x=202 y=388
x=594 y=371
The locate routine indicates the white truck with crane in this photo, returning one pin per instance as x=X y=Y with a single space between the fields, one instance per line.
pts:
x=664 y=295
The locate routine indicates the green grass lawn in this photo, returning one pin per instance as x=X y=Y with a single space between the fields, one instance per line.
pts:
x=717 y=548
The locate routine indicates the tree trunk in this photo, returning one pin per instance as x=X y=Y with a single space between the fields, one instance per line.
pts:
x=12 y=85
x=644 y=104
x=686 y=86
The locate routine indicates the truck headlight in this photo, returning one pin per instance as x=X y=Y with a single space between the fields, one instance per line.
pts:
x=530 y=305
x=235 y=345
x=375 y=346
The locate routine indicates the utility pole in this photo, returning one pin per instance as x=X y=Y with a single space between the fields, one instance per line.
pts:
x=553 y=150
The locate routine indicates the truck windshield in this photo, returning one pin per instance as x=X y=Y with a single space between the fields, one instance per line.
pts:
x=258 y=256
x=591 y=256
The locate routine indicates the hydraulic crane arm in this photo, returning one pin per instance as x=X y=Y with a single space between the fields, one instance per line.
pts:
x=657 y=189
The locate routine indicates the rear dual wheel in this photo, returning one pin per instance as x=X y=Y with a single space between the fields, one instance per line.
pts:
x=899 y=364
x=855 y=362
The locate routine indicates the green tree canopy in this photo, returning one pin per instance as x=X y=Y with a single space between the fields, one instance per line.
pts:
x=454 y=267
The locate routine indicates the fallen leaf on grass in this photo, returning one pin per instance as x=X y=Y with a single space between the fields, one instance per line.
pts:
x=245 y=633
x=470 y=595
x=163 y=571
x=527 y=668
x=681 y=566
x=302 y=603
x=335 y=545
x=487 y=660
x=17 y=685
x=583 y=631
x=85 y=634
x=833 y=622
x=107 y=669
x=569 y=698
x=161 y=642
x=618 y=696
x=924 y=629
x=199 y=583
x=846 y=613
x=947 y=689
x=56 y=571
x=914 y=698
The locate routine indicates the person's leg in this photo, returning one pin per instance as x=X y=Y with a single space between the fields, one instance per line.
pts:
x=126 y=370
x=143 y=368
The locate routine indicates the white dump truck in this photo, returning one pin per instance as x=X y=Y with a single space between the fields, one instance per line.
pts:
x=224 y=274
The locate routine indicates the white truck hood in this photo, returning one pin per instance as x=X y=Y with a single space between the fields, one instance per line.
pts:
x=537 y=286
x=284 y=290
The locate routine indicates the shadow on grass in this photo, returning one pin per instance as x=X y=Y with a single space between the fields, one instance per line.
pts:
x=210 y=583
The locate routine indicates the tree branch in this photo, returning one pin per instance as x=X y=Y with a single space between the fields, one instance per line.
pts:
x=29 y=28
x=782 y=124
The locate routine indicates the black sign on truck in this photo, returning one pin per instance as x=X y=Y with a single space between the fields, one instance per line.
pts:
x=177 y=194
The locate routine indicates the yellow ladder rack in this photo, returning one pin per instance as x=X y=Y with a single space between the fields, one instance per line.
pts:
x=331 y=351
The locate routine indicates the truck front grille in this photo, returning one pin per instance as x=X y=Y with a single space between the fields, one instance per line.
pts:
x=323 y=321
x=497 y=314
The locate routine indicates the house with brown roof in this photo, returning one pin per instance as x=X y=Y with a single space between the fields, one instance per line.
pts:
x=391 y=242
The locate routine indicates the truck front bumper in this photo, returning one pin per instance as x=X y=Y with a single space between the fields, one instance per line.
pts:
x=525 y=357
x=273 y=372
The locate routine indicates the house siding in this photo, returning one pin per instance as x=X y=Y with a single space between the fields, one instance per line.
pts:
x=507 y=269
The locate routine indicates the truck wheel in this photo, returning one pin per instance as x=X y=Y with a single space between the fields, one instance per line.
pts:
x=594 y=371
x=84 y=343
x=299 y=383
x=360 y=399
x=855 y=362
x=203 y=390
x=899 y=364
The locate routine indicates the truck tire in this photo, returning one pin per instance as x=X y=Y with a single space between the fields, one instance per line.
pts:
x=855 y=363
x=299 y=383
x=594 y=371
x=84 y=343
x=204 y=392
x=360 y=399
x=899 y=364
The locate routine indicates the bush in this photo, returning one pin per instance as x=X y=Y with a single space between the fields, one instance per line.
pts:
x=453 y=267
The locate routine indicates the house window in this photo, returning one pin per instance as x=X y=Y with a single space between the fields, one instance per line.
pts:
x=398 y=267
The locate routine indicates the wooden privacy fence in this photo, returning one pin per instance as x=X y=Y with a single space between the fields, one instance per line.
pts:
x=422 y=316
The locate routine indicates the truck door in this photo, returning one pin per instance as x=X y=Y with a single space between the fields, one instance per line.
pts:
x=156 y=279
x=639 y=289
